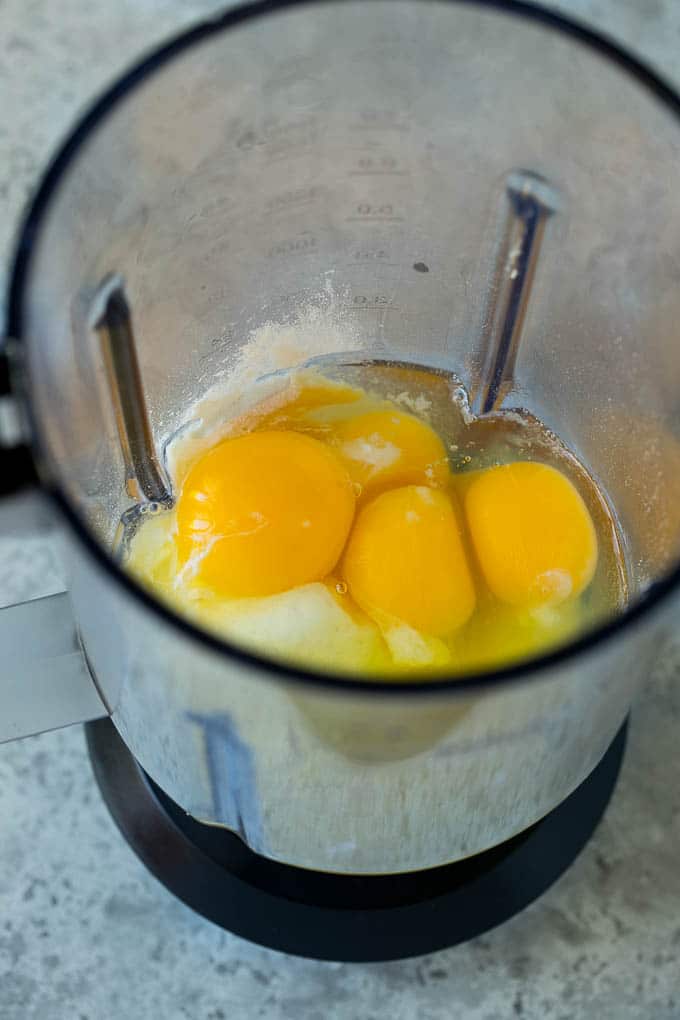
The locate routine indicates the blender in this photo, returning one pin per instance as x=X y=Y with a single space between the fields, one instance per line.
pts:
x=482 y=189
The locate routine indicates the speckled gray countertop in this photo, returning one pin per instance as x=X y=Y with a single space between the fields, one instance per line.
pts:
x=87 y=934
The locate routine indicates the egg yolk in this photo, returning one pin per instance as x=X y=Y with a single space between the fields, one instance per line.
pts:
x=262 y=513
x=307 y=400
x=532 y=534
x=405 y=562
x=388 y=448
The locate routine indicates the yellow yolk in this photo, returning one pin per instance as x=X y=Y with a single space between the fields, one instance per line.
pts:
x=263 y=513
x=405 y=562
x=297 y=407
x=387 y=448
x=532 y=534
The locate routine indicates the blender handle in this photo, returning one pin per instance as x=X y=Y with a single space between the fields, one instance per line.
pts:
x=45 y=682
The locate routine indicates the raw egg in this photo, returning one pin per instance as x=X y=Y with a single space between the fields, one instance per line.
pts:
x=327 y=530
x=405 y=562
x=262 y=513
x=532 y=534
x=386 y=449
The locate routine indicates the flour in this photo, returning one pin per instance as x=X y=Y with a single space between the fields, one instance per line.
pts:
x=319 y=327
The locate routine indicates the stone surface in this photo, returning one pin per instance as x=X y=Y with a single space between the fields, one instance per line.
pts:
x=87 y=934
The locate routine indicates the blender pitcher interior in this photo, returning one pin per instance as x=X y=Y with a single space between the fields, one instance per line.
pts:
x=365 y=149
x=357 y=156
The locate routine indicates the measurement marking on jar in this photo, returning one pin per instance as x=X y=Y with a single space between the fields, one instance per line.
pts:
x=278 y=306
x=372 y=301
x=296 y=132
x=293 y=246
x=216 y=345
x=295 y=197
x=369 y=212
x=216 y=206
x=377 y=166
x=374 y=219
x=370 y=254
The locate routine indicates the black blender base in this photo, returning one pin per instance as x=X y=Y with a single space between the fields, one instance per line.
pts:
x=340 y=917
